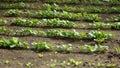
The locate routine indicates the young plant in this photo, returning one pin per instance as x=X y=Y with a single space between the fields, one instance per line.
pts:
x=86 y=49
x=75 y=62
x=3 y=22
x=64 y=48
x=116 y=18
x=29 y=64
x=118 y=50
x=4 y=30
x=50 y=7
x=70 y=16
x=43 y=46
x=42 y=33
x=91 y=17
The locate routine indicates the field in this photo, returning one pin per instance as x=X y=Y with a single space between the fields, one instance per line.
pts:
x=59 y=34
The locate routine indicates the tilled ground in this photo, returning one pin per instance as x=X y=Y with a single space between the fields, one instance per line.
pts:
x=24 y=58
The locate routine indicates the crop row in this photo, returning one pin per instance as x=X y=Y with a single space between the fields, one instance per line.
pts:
x=19 y=0
x=43 y=46
x=53 y=14
x=89 y=9
x=44 y=23
x=97 y=36
x=96 y=9
x=57 y=23
x=112 y=65
x=19 y=5
x=63 y=24
x=100 y=25
x=78 y=63
x=96 y=2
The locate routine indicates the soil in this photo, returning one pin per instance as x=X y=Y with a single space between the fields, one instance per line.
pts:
x=19 y=58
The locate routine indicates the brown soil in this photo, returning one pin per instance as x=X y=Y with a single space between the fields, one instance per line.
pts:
x=18 y=58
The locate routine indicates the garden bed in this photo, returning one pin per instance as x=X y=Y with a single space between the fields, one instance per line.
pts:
x=58 y=36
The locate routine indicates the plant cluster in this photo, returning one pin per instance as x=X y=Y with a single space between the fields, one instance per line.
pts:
x=26 y=22
x=43 y=46
x=91 y=17
x=63 y=33
x=56 y=22
x=118 y=50
x=75 y=62
x=5 y=31
x=12 y=43
x=116 y=18
x=26 y=32
x=92 y=49
x=100 y=36
x=19 y=5
x=64 y=48
x=3 y=22
x=13 y=12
